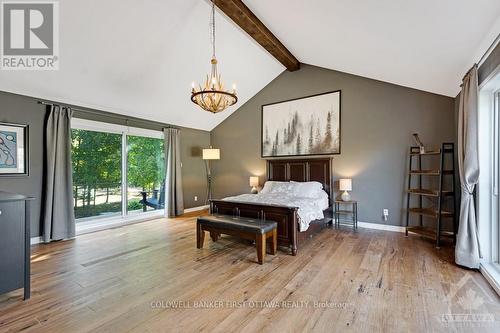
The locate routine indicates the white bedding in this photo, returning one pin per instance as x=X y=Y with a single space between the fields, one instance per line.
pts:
x=310 y=209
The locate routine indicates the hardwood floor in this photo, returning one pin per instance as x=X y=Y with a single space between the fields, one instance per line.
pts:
x=122 y=280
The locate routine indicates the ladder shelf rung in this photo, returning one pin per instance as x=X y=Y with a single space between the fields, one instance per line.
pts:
x=428 y=232
x=438 y=152
x=430 y=212
x=430 y=172
x=432 y=152
x=429 y=193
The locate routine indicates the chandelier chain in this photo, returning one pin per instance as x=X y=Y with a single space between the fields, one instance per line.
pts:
x=212 y=28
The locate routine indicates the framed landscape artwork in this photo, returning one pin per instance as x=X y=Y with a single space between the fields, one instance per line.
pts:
x=13 y=149
x=303 y=126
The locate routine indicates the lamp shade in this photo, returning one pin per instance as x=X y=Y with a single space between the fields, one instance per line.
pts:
x=345 y=184
x=254 y=181
x=211 y=154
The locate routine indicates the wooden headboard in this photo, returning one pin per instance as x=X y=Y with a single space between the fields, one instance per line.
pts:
x=302 y=170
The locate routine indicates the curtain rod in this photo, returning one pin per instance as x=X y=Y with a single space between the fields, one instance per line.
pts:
x=484 y=56
x=108 y=114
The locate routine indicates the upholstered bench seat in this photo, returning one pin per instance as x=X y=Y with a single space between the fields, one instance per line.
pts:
x=244 y=227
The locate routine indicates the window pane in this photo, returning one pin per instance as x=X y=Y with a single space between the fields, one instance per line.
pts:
x=97 y=178
x=145 y=174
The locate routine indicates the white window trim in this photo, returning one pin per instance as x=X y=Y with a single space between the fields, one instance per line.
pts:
x=97 y=126
x=487 y=190
x=101 y=223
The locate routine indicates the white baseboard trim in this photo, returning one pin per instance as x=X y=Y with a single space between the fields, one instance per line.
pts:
x=380 y=226
x=492 y=275
x=195 y=209
x=35 y=240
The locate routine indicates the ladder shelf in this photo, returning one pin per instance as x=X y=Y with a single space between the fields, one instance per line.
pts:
x=436 y=212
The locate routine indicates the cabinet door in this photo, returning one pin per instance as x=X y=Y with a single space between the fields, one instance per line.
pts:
x=11 y=245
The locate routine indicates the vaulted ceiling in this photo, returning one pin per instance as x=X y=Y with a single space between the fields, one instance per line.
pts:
x=423 y=44
x=139 y=58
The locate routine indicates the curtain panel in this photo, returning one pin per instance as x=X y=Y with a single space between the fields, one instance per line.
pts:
x=58 y=220
x=467 y=250
x=174 y=195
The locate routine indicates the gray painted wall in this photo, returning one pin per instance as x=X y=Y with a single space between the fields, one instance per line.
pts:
x=25 y=110
x=378 y=119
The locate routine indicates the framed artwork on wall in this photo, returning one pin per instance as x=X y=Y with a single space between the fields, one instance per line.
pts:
x=302 y=127
x=13 y=149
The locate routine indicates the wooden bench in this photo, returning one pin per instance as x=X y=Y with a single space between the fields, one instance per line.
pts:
x=247 y=228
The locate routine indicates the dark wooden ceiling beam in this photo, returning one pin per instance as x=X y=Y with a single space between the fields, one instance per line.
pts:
x=237 y=11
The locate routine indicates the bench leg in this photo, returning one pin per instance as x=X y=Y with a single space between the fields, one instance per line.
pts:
x=274 y=242
x=261 y=247
x=214 y=235
x=200 y=236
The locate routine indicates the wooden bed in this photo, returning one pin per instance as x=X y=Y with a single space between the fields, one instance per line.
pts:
x=300 y=170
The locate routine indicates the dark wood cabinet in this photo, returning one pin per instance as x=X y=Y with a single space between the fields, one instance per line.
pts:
x=14 y=243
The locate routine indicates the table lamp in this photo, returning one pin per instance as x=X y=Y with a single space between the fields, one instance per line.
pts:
x=254 y=182
x=345 y=185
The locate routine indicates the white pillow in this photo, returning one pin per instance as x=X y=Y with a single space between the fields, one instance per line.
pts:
x=307 y=189
x=276 y=187
x=268 y=187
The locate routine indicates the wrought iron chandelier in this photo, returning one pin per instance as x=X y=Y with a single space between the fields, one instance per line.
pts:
x=212 y=97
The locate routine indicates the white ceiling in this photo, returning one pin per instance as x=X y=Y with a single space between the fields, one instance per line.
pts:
x=423 y=44
x=139 y=57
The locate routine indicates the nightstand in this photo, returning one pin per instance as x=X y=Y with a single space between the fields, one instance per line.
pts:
x=340 y=209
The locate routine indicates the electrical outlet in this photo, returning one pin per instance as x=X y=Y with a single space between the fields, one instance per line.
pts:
x=195 y=198
x=386 y=212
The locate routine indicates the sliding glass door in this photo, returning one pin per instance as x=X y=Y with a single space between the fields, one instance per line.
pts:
x=97 y=176
x=145 y=174
x=118 y=172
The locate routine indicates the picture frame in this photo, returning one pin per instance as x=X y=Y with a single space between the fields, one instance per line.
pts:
x=304 y=126
x=14 y=149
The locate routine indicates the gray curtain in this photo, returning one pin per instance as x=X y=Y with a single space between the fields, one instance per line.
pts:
x=174 y=196
x=467 y=251
x=58 y=216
